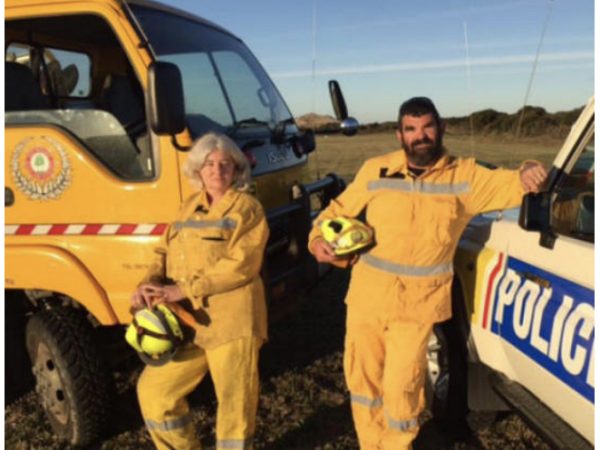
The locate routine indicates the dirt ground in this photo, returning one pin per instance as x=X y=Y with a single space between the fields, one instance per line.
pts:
x=303 y=405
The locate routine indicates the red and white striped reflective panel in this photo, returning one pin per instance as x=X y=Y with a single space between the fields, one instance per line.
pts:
x=89 y=229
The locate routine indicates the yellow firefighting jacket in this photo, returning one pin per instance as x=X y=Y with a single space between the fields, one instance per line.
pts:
x=215 y=254
x=417 y=222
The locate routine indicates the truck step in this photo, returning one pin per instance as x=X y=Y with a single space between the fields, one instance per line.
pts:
x=545 y=422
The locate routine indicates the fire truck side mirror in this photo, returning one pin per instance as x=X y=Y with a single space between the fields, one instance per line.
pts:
x=308 y=141
x=348 y=125
x=166 y=108
x=337 y=100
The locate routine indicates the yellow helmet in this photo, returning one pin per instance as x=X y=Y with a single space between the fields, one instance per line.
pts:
x=155 y=334
x=346 y=235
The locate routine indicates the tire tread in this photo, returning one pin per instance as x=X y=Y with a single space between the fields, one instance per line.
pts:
x=69 y=337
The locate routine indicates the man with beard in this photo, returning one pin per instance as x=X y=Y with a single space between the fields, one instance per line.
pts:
x=418 y=200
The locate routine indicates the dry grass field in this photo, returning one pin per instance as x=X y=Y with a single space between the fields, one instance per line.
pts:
x=304 y=403
x=344 y=155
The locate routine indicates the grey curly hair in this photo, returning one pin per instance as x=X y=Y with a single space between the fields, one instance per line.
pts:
x=207 y=144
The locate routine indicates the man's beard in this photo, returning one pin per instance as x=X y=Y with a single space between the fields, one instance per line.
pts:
x=424 y=157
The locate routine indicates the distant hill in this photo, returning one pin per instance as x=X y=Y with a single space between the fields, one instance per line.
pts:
x=536 y=122
x=316 y=121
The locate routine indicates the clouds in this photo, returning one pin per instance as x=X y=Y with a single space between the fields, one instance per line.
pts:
x=525 y=59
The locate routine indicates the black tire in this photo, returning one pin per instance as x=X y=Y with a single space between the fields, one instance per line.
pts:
x=18 y=378
x=447 y=353
x=74 y=387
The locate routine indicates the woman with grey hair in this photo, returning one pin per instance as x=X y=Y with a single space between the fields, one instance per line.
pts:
x=204 y=147
x=210 y=263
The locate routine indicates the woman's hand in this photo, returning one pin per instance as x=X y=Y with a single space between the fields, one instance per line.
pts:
x=172 y=293
x=146 y=295
x=151 y=294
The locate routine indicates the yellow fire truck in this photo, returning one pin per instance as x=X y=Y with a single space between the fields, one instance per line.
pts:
x=103 y=98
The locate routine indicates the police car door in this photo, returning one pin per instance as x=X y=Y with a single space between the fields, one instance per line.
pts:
x=548 y=320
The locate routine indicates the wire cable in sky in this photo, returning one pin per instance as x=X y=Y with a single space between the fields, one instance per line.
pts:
x=549 y=6
x=469 y=89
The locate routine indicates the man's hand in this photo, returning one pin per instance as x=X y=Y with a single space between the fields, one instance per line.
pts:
x=533 y=176
x=323 y=251
x=324 y=254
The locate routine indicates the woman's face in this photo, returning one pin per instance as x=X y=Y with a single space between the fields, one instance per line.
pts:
x=217 y=172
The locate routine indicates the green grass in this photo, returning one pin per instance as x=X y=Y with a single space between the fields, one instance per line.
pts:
x=344 y=155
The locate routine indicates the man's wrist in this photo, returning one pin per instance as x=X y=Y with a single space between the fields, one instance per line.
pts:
x=313 y=241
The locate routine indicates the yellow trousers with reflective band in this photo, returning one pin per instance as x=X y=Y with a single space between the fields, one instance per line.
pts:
x=385 y=368
x=162 y=395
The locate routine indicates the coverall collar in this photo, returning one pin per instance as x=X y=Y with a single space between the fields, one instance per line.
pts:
x=219 y=209
x=401 y=163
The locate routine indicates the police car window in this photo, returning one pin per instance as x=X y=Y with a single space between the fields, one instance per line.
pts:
x=573 y=205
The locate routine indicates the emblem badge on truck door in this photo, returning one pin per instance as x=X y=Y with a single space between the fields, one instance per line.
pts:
x=40 y=168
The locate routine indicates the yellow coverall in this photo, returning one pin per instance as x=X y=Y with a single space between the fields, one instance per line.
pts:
x=214 y=254
x=401 y=286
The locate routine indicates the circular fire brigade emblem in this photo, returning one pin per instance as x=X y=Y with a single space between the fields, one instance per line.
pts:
x=40 y=168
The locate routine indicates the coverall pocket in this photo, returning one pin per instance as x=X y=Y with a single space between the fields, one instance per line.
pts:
x=430 y=299
x=204 y=247
x=213 y=235
x=442 y=218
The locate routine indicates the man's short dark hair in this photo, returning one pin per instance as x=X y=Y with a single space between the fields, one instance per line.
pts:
x=418 y=106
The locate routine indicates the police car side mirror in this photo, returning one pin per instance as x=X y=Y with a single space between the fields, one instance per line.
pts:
x=166 y=109
x=535 y=216
x=535 y=212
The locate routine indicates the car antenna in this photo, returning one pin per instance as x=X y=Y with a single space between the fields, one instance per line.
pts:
x=469 y=88
x=313 y=75
x=549 y=7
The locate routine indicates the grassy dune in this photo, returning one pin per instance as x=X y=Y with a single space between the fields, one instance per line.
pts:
x=344 y=155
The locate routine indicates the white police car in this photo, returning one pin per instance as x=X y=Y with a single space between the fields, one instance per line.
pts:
x=523 y=307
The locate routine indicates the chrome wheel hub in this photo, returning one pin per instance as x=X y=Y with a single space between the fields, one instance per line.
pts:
x=49 y=385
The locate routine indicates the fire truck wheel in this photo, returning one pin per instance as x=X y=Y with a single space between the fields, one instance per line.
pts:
x=71 y=380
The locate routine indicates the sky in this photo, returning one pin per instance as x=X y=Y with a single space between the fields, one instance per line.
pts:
x=467 y=55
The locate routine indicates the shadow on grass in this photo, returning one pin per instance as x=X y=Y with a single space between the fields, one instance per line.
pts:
x=315 y=330
x=327 y=425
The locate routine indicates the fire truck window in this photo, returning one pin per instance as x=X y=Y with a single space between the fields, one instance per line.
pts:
x=62 y=73
x=103 y=108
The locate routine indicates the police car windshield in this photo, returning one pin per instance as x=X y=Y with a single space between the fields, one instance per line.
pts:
x=223 y=83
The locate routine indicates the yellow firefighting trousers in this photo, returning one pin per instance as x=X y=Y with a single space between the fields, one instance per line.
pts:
x=162 y=395
x=385 y=368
